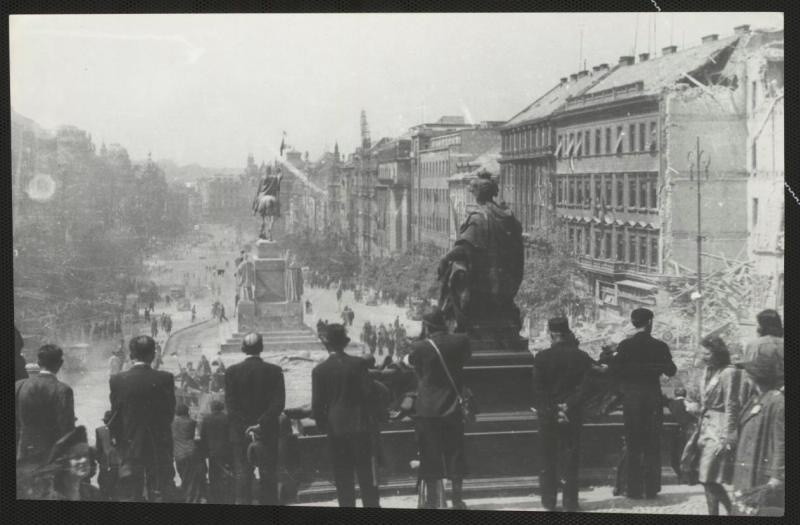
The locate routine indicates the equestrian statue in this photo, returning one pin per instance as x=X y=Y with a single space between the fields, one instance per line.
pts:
x=266 y=202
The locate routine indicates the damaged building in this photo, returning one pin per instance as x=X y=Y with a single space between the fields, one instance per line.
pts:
x=625 y=192
x=528 y=156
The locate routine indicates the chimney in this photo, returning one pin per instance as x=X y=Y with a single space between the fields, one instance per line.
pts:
x=669 y=50
x=710 y=38
x=625 y=60
x=563 y=80
x=742 y=29
x=582 y=73
x=643 y=57
x=600 y=68
x=573 y=77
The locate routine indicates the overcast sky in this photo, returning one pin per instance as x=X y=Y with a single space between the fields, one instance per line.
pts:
x=208 y=89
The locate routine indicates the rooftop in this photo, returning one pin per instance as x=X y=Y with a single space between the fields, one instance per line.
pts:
x=554 y=99
x=663 y=71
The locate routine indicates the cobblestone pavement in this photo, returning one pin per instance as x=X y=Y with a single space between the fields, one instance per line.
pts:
x=674 y=499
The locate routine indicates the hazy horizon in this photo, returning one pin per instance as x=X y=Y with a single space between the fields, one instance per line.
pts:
x=209 y=89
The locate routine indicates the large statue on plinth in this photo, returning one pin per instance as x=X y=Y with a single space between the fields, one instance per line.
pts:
x=266 y=202
x=480 y=276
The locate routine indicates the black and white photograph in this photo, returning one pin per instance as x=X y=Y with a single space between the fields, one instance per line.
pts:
x=469 y=261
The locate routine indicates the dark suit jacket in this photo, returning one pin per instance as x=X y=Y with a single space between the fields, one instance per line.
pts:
x=640 y=360
x=558 y=375
x=143 y=405
x=435 y=395
x=215 y=437
x=45 y=412
x=255 y=394
x=340 y=395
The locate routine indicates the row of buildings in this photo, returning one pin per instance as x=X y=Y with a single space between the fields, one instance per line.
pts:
x=606 y=159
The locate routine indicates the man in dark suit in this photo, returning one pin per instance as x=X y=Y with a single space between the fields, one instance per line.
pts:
x=340 y=402
x=143 y=404
x=559 y=374
x=638 y=365
x=45 y=409
x=255 y=396
x=440 y=427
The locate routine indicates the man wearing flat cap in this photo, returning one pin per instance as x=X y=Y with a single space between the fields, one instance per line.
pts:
x=439 y=421
x=638 y=365
x=340 y=402
x=759 y=478
x=558 y=374
x=255 y=396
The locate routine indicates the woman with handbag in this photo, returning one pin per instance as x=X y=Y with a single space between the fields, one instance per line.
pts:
x=708 y=456
x=440 y=409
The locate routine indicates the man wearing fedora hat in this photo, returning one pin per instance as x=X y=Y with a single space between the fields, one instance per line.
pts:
x=340 y=402
x=558 y=374
x=255 y=396
x=638 y=365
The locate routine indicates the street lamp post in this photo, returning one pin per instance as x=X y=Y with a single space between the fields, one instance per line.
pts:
x=699 y=161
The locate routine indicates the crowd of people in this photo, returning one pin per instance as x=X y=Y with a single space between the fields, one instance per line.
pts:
x=733 y=435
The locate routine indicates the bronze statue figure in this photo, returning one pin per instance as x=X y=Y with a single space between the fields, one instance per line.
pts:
x=481 y=275
x=266 y=201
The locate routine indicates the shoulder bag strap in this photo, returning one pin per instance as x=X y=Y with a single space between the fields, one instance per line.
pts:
x=446 y=370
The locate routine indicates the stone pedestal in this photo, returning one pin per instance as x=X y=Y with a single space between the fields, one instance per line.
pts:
x=276 y=311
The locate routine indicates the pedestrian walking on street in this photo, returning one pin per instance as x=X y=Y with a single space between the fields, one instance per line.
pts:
x=154 y=328
x=143 y=404
x=351 y=315
x=340 y=393
x=255 y=396
x=709 y=455
x=438 y=360
x=638 y=364
x=308 y=306
x=194 y=312
x=222 y=314
x=558 y=374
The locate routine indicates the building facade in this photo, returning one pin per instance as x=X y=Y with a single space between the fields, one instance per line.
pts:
x=393 y=196
x=528 y=157
x=625 y=191
x=437 y=160
x=765 y=185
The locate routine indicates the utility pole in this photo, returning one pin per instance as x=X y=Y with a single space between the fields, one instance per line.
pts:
x=698 y=162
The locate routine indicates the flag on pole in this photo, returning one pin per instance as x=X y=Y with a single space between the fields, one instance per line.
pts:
x=283 y=143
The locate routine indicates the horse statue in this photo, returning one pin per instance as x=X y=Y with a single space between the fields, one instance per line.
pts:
x=266 y=202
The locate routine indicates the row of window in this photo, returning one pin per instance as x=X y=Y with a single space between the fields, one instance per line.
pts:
x=615 y=243
x=526 y=139
x=434 y=210
x=434 y=168
x=524 y=188
x=605 y=141
x=620 y=191
x=440 y=142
